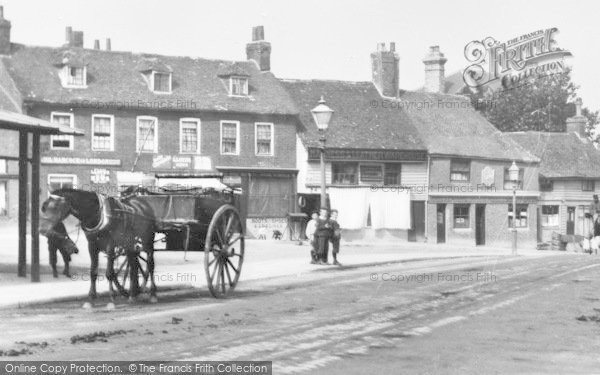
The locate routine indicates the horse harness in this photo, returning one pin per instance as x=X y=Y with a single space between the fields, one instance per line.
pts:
x=114 y=212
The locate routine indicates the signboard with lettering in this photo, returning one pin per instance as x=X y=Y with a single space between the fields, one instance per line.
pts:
x=100 y=176
x=80 y=161
x=182 y=162
x=162 y=162
x=367 y=155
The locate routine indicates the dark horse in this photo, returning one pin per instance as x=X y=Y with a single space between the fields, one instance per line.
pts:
x=109 y=225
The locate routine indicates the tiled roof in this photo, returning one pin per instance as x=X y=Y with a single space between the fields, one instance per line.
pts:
x=116 y=77
x=356 y=123
x=449 y=125
x=562 y=155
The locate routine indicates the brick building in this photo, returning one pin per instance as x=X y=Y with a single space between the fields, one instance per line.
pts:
x=147 y=115
x=569 y=176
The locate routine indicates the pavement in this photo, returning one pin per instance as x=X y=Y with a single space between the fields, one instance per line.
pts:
x=263 y=259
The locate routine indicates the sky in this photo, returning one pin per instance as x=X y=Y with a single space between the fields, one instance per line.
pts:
x=322 y=39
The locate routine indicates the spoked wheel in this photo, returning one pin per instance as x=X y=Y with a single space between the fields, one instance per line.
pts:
x=122 y=269
x=224 y=251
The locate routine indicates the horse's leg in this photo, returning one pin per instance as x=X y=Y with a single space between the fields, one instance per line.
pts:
x=133 y=272
x=52 y=252
x=150 y=251
x=93 y=249
x=110 y=275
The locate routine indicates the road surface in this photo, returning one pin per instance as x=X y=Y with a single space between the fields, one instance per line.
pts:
x=484 y=314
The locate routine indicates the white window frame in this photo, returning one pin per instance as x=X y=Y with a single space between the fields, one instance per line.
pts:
x=61 y=175
x=238 y=140
x=137 y=132
x=70 y=137
x=557 y=216
x=154 y=72
x=198 y=129
x=65 y=77
x=246 y=88
x=272 y=147
x=112 y=132
x=3 y=166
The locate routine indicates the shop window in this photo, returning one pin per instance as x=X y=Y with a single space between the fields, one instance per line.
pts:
x=61 y=181
x=521 y=219
x=344 y=173
x=270 y=196
x=460 y=170
x=371 y=174
x=461 y=216
x=549 y=216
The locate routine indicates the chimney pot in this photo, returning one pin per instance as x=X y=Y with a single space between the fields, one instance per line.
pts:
x=258 y=33
x=77 y=40
x=108 y=46
x=68 y=35
x=1 y=11
x=96 y=44
x=578 y=104
x=392 y=46
x=259 y=50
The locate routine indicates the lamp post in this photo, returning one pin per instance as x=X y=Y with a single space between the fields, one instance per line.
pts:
x=322 y=116
x=513 y=174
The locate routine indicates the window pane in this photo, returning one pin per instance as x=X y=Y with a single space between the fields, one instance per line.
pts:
x=229 y=138
x=61 y=141
x=101 y=134
x=371 y=173
x=76 y=76
x=263 y=139
x=161 y=82
x=146 y=135
x=344 y=173
x=521 y=219
x=461 y=216
x=460 y=170
x=189 y=136
x=392 y=174
x=239 y=86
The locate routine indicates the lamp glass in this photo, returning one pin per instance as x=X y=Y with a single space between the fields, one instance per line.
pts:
x=322 y=115
x=513 y=172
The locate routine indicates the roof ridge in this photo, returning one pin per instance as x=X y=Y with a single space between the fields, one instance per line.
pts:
x=132 y=53
x=310 y=80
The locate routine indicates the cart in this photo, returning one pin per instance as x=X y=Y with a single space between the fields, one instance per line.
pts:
x=193 y=219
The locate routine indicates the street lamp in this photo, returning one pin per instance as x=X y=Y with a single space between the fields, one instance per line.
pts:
x=322 y=115
x=513 y=176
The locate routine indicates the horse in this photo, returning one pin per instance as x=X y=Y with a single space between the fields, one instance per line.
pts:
x=59 y=240
x=109 y=224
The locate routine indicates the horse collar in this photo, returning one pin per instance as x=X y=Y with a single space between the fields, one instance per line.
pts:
x=104 y=208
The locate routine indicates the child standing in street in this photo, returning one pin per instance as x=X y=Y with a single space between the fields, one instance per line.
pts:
x=311 y=228
x=322 y=236
x=335 y=236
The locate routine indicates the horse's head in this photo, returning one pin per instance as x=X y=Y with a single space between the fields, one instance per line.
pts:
x=54 y=209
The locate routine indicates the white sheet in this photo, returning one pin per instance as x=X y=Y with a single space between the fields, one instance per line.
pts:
x=352 y=206
x=390 y=209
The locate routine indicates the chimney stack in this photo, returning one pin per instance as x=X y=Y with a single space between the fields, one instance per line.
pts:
x=576 y=124
x=108 y=46
x=4 y=33
x=73 y=38
x=435 y=79
x=385 y=69
x=259 y=50
x=96 y=44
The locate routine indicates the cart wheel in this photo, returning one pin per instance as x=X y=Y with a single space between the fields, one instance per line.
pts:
x=122 y=269
x=224 y=251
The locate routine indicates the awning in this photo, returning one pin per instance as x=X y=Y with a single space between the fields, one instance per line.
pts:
x=19 y=121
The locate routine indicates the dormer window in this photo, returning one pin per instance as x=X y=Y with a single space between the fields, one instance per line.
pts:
x=238 y=86
x=74 y=76
x=161 y=82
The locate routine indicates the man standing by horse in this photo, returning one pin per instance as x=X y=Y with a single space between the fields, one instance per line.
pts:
x=59 y=240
